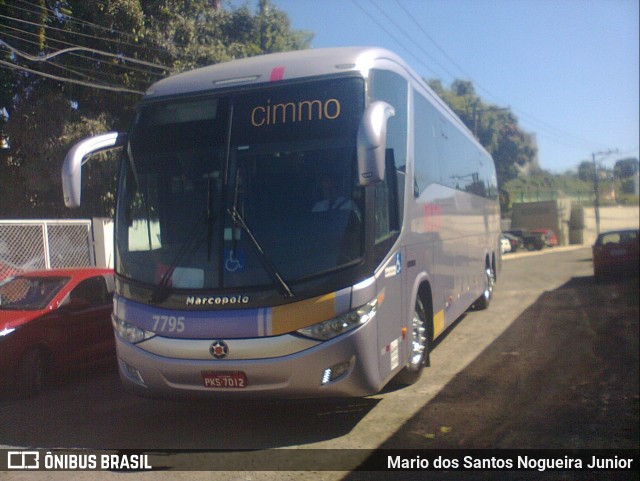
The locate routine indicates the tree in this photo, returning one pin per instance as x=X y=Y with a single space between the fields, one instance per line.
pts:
x=119 y=48
x=625 y=168
x=193 y=33
x=586 y=171
x=45 y=110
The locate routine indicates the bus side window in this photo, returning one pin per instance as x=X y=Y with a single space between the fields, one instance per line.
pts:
x=427 y=171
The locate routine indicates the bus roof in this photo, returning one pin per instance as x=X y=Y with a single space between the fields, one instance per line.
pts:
x=273 y=67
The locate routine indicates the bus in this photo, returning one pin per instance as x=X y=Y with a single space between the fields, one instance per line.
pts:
x=293 y=225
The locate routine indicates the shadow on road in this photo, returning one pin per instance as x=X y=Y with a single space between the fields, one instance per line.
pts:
x=564 y=375
x=92 y=411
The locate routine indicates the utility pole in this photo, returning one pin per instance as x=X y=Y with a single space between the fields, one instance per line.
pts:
x=596 y=186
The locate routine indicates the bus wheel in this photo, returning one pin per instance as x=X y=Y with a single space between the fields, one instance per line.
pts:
x=485 y=299
x=419 y=347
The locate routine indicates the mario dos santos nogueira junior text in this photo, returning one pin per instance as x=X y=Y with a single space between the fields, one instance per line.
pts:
x=517 y=462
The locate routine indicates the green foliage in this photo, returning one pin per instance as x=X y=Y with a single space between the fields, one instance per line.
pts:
x=626 y=168
x=193 y=34
x=513 y=151
x=542 y=186
x=145 y=40
x=586 y=171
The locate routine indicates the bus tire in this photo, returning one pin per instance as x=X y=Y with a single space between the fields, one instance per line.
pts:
x=485 y=299
x=420 y=347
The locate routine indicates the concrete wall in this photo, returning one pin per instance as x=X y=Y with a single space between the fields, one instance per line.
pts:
x=611 y=218
x=553 y=215
x=103 y=241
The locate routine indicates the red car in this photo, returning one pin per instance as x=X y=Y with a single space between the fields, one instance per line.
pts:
x=53 y=321
x=616 y=253
x=550 y=237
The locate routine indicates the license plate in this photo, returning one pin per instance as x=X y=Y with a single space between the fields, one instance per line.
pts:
x=224 y=380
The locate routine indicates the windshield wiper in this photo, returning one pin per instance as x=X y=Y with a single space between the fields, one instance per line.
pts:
x=160 y=293
x=264 y=258
x=210 y=216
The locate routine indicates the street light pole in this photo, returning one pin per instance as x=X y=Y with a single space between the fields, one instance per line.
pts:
x=596 y=186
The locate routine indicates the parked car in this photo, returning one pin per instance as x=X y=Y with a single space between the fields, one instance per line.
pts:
x=53 y=321
x=616 y=253
x=505 y=245
x=530 y=240
x=550 y=238
x=516 y=242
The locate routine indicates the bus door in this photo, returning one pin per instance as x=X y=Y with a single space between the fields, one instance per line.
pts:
x=389 y=194
x=392 y=309
x=392 y=339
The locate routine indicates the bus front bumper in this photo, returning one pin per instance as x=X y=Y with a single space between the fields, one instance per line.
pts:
x=346 y=366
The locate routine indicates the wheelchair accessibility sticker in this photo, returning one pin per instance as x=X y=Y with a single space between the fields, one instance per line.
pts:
x=234 y=260
x=395 y=269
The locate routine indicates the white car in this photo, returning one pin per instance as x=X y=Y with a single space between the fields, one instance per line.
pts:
x=505 y=245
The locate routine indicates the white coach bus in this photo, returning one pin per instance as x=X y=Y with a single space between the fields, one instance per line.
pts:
x=299 y=224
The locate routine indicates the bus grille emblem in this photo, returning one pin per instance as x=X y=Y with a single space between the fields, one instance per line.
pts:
x=219 y=349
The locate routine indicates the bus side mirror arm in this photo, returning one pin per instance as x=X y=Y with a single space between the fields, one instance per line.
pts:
x=79 y=155
x=372 y=142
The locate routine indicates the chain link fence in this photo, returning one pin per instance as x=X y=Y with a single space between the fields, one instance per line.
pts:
x=35 y=244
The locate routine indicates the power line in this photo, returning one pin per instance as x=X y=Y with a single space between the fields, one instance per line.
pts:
x=76 y=55
x=45 y=57
x=411 y=39
x=112 y=88
x=550 y=131
x=424 y=32
x=80 y=34
x=67 y=18
x=76 y=70
x=108 y=78
x=83 y=76
x=568 y=137
x=373 y=19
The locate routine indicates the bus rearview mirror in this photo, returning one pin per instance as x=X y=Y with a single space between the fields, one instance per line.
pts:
x=372 y=140
x=79 y=155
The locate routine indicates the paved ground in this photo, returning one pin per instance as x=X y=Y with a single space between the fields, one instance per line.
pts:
x=564 y=374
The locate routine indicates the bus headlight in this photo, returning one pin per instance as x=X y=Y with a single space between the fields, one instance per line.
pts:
x=325 y=330
x=129 y=332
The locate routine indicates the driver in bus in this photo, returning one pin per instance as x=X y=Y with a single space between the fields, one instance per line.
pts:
x=332 y=199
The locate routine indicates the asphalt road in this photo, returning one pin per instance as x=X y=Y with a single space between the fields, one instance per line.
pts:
x=91 y=411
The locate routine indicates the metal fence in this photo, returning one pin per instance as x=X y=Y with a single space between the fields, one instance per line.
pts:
x=537 y=195
x=44 y=244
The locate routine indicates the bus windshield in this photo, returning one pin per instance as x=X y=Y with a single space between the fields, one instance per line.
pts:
x=238 y=190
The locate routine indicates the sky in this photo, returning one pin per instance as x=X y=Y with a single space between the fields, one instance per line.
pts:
x=568 y=69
